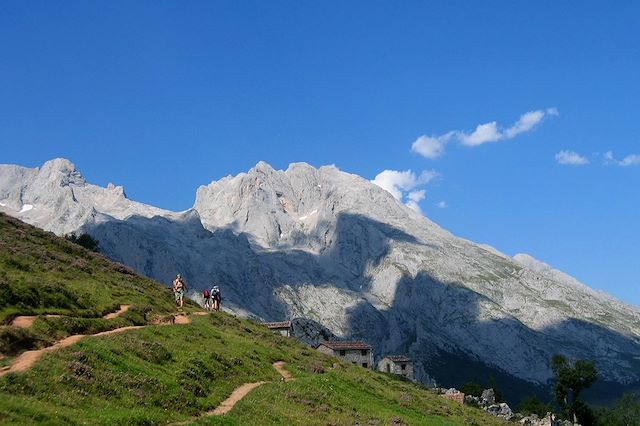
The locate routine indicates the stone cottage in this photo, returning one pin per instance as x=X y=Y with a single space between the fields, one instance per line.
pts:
x=397 y=364
x=282 y=327
x=356 y=352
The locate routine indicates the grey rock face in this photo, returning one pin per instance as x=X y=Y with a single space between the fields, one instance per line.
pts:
x=332 y=247
x=310 y=332
x=488 y=397
x=500 y=410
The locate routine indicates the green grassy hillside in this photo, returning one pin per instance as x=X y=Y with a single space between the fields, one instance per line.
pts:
x=173 y=374
x=43 y=274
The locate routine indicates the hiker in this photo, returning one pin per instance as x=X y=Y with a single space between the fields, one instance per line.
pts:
x=207 y=299
x=216 y=297
x=179 y=287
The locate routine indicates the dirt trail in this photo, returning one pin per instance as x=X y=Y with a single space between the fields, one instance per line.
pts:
x=23 y=321
x=286 y=376
x=120 y=311
x=26 y=360
x=237 y=394
x=26 y=321
x=241 y=391
x=181 y=319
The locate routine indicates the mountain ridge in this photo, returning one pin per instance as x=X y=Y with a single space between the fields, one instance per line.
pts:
x=331 y=246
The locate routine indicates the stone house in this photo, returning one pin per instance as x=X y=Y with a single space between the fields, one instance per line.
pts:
x=356 y=352
x=396 y=364
x=282 y=327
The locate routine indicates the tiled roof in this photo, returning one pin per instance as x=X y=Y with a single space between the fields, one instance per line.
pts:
x=397 y=358
x=281 y=324
x=346 y=344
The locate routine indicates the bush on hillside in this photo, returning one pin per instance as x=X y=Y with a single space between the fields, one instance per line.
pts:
x=84 y=240
x=472 y=388
x=533 y=405
x=28 y=296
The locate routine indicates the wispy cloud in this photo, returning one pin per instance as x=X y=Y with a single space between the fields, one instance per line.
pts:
x=571 y=158
x=404 y=185
x=413 y=198
x=433 y=146
x=442 y=205
x=629 y=160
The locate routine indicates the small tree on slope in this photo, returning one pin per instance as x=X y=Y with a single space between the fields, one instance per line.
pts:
x=571 y=380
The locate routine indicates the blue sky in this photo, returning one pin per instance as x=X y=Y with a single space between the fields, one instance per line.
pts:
x=162 y=97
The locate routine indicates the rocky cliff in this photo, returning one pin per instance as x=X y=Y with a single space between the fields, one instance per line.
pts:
x=335 y=248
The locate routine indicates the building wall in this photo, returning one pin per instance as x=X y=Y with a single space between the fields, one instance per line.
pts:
x=325 y=350
x=457 y=397
x=396 y=368
x=351 y=355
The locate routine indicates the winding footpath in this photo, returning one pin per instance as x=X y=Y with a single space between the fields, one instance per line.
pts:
x=26 y=321
x=237 y=394
x=120 y=311
x=25 y=360
x=242 y=391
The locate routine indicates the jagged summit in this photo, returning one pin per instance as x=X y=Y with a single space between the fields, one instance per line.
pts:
x=333 y=247
x=56 y=197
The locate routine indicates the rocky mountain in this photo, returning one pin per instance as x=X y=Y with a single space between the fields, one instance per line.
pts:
x=337 y=249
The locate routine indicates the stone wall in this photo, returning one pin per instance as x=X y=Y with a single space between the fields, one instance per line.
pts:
x=388 y=366
x=354 y=356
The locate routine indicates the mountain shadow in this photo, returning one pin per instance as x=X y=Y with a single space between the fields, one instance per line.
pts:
x=450 y=332
x=444 y=326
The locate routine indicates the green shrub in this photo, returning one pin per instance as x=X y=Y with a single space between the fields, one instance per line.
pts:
x=472 y=388
x=84 y=240
x=533 y=405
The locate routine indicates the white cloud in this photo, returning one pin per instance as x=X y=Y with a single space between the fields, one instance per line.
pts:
x=429 y=146
x=484 y=133
x=526 y=122
x=629 y=160
x=413 y=198
x=403 y=185
x=442 y=205
x=394 y=181
x=608 y=158
x=433 y=146
x=571 y=158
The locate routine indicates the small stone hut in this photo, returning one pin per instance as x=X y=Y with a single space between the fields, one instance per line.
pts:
x=397 y=364
x=282 y=327
x=354 y=351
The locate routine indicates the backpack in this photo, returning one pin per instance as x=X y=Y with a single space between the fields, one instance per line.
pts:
x=205 y=294
x=215 y=292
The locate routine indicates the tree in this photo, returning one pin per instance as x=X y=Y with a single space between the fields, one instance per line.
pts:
x=84 y=240
x=626 y=412
x=571 y=380
x=532 y=405
x=472 y=388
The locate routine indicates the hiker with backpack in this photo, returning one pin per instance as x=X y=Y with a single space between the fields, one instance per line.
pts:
x=207 y=299
x=216 y=297
x=179 y=288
